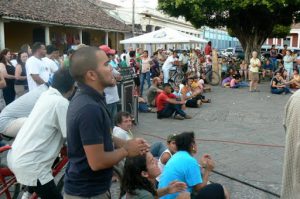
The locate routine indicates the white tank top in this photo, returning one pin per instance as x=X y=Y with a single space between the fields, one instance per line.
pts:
x=161 y=165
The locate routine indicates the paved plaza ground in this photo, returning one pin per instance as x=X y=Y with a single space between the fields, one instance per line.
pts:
x=241 y=130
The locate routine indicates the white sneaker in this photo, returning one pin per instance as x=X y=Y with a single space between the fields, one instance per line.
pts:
x=26 y=195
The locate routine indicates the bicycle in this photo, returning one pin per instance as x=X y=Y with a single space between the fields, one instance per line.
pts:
x=212 y=77
x=176 y=77
x=8 y=180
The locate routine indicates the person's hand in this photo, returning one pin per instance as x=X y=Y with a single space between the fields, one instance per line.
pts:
x=203 y=159
x=210 y=165
x=176 y=186
x=137 y=146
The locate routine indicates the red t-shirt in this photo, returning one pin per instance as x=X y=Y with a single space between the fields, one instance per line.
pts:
x=207 y=50
x=161 y=100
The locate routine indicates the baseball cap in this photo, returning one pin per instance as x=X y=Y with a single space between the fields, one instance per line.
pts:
x=107 y=49
x=171 y=137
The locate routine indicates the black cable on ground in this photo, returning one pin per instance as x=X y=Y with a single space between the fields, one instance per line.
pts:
x=247 y=184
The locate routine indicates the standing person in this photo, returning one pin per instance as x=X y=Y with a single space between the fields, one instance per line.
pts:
x=184 y=58
x=26 y=48
x=40 y=139
x=90 y=143
x=273 y=56
x=283 y=52
x=2 y=85
x=291 y=165
x=155 y=71
x=145 y=72
x=8 y=71
x=21 y=84
x=288 y=64
x=49 y=60
x=169 y=65
x=208 y=50
x=37 y=73
x=254 y=66
x=111 y=92
x=135 y=68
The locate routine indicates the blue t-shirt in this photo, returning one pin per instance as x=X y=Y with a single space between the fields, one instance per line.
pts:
x=181 y=167
x=88 y=123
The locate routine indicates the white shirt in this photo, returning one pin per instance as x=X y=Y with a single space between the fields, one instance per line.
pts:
x=37 y=67
x=111 y=93
x=122 y=56
x=14 y=62
x=161 y=165
x=169 y=63
x=121 y=133
x=39 y=140
x=51 y=65
x=183 y=58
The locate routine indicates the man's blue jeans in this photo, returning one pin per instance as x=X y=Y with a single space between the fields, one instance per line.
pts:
x=280 y=90
x=143 y=77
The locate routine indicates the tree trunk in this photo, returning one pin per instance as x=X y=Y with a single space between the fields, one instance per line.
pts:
x=251 y=43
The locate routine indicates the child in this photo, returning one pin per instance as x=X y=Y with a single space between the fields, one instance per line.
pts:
x=177 y=92
x=167 y=154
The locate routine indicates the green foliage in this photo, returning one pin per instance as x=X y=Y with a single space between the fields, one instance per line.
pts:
x=247 y=17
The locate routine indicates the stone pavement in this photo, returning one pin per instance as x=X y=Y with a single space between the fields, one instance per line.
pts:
x=241 y=130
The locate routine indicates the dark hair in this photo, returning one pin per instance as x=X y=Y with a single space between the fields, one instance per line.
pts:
x=50 y=49
x=19 y=58
x=36 y=46
x=120 y=115
x=83 y=60
x=3 y=59
x=166 y=85
x=146 y=51
x=132 y=178
x=184 y=141
x=124 y=51
x=155 y=53
x=62 y=81
x=124 y=57
x=131 y=54
x=296 y=69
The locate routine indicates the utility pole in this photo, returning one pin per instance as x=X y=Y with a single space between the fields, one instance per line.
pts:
x=133 y=7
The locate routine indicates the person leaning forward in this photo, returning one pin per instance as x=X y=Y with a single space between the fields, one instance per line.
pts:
x=90 y=142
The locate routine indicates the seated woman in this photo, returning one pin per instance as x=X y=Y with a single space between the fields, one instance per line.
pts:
x=295 y=81
x=278 y=86
x=193 y=98
x=226 y=81
x=139 y=180
x=185 y=168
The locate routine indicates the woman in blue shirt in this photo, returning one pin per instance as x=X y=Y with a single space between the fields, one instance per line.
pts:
x=185 y=168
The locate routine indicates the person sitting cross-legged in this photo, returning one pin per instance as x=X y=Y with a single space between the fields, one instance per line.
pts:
x=167 y=105
x=278 y=86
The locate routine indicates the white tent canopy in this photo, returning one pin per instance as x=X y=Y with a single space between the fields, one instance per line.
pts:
x=164 y=36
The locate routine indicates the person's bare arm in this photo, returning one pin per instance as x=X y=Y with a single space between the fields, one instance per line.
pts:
x=174 y=101
x=165 y=158
x=2 y=81
x=18 y=73
x=208 y=169
x=4 y=72
x=37 y=79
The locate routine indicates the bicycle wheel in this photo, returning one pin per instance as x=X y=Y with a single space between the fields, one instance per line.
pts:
x=178 y=78
x=213 y=78
x=115 y=188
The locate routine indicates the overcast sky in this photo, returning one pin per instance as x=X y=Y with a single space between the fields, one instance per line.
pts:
x=138 y=3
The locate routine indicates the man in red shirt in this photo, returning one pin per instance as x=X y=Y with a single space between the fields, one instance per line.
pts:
x=208 y=50
x=167 y=105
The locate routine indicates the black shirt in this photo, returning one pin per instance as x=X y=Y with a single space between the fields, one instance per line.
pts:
x=88 y=123
x=277 y=82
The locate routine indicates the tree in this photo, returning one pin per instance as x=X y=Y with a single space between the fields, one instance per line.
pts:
x=251 y=21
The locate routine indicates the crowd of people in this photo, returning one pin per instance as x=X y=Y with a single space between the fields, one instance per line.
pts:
x=47 y=99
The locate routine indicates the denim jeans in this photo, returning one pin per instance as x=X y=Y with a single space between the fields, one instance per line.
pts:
x=280 y=90
x=113 y=108
x=169 y=110
x=143 y=77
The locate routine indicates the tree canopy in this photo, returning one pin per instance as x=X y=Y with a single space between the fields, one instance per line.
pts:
x=251 y=21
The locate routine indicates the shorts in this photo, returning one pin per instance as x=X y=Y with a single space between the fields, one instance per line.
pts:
x=253 y=76
x=211 y=191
